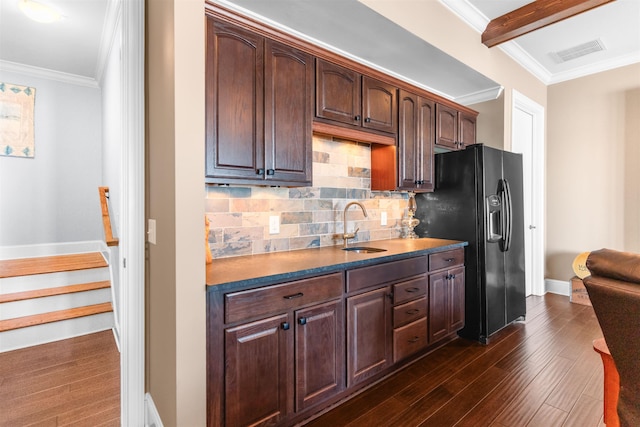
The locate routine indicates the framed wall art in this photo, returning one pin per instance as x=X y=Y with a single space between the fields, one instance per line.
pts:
x=17 y=133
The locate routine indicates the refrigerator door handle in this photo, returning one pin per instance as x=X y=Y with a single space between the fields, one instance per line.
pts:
x=509 y=216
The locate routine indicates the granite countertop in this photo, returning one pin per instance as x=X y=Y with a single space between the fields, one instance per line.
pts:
x=265 y=269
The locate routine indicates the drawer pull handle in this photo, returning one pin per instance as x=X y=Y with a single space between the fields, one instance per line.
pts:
x=414 y=311
x=285 y=326
x=298 y=295
x=412 y=290
x=302 y=320
x=450 y=259
x=414 y=339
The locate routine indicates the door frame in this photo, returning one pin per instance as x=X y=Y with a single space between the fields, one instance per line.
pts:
x=132 y=242
x=522 y=103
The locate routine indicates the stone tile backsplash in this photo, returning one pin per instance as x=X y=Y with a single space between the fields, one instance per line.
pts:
x=308 y=216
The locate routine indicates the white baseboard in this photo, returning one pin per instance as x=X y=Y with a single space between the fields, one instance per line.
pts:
x=151 y=415
x=559 y=287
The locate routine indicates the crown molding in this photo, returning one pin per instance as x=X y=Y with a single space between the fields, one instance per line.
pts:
x=109 y=32
x=482 y=96
x=44 y=73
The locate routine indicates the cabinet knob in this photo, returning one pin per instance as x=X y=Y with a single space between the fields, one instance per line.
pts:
x=285 y=326
x=260 y=171
x=302 y=320
x=357 y=118
x=367 y=120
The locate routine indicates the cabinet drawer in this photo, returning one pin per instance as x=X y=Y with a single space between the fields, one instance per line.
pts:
x=409 y=312
x=272 y=299
x=409 y=339
x=446 y=259
x=410 y=289
x=365 y=277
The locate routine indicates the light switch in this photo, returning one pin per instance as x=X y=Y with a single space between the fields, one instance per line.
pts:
x=151 y=231
x=383 y=218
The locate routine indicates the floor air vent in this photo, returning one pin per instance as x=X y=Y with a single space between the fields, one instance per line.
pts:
x=577 y=51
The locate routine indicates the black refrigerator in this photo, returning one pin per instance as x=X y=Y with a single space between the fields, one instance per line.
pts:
x=478 y=197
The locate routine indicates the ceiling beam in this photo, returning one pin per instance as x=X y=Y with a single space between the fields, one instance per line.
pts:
x=533 y=16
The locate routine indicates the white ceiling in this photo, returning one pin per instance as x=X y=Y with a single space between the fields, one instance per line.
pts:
x=615 y=24
x=76 y=46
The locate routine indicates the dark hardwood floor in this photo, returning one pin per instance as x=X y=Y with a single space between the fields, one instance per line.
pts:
x=541 y=372
x=74 y=382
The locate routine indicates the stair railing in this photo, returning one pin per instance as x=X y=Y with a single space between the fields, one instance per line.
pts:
x=112 y=255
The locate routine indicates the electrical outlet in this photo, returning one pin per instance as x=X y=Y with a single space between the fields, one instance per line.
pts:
x=151 y=232
x=383 y=218
x=274 y=224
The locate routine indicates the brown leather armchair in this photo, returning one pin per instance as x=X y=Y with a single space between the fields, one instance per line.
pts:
x=614 y=291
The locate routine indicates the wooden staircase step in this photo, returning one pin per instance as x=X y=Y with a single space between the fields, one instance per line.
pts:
x=59 y=290
x=51 y=264
x=54 y=316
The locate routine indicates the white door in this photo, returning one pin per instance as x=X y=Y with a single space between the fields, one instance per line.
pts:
x=527 y=131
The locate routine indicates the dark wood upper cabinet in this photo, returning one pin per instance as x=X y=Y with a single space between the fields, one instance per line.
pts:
x=345 y=96
x=454 y=129
x=415 y=142
x=379 y=105
x=447 y=127
x=288 y=113
x=466 y=129
x=338 y=92
x=259 y=109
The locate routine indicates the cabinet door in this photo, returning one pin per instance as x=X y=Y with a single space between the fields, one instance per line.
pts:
x=467 y=130
x=446 y=127
x=288 y=113
x=438 y=306
x=379 y=105
x=258 y=372
x=234 y=102
x=416 y=123
x=338 y=93
x=426 y=134
x=368 y=334
x=456 y=299
x=408 y=146
x=319 y=353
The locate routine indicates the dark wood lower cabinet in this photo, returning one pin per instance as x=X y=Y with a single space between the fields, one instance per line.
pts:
x=446 y=303
x=258 y=372
x=368 y=334
x=319 y=353
x=279 y=353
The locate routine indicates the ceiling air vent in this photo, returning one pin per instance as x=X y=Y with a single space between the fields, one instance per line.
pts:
x=577 y=51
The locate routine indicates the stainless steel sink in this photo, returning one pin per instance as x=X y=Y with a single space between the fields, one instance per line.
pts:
x=363 y=249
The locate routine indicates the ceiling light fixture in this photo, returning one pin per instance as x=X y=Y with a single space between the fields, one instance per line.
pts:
x=39 y=12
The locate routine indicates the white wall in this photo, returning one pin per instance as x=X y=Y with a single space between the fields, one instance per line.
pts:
x=112 y=129
x=54 y=197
